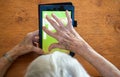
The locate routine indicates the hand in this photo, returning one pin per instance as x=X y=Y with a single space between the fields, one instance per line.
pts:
x=67 y=37
x=26 y=46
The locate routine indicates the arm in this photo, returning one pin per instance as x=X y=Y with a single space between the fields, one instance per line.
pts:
x=4 y=65
x=24 y=47
x=69 y=39
x=105 y=68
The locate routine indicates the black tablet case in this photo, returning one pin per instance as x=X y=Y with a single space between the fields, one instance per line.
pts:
x=75 y=22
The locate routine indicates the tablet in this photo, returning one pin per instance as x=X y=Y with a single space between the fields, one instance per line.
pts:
x=59 y=11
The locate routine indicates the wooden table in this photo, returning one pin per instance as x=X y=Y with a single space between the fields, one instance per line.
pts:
x=98 y=24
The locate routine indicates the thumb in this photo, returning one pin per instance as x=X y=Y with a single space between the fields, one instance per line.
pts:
x=56 y=45
x=37 y=50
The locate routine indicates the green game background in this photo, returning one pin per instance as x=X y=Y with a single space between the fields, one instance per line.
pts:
x=46 y=42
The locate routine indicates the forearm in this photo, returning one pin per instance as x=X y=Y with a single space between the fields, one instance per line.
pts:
x=69 y=39
x=5 y=63
x=106 y=68
x=24 y=47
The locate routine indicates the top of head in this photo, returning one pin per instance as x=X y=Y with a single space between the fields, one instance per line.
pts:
x=57 y=64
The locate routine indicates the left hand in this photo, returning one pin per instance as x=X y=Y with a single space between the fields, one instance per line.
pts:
x=26 y=46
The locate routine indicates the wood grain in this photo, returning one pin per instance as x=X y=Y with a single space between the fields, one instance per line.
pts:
x=98 y=24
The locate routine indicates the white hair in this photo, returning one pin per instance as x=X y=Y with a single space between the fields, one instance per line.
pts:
x=57 y=64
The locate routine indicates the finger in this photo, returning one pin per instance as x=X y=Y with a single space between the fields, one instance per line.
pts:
x=35 y=33
x=32 y=35
x=36 y=44
x=49 y=32
x=58 y=20
x=52 y=22
x=56 y=45
x=36 y=39
x=37 y=50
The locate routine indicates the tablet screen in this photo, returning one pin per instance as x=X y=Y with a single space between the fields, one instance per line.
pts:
x=46 y=39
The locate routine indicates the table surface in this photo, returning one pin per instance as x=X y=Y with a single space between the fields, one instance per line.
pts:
x=98 y=23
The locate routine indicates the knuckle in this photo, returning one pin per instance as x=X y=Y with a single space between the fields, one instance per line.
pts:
x=29 y=34
x=60 y=27
x=70 y=20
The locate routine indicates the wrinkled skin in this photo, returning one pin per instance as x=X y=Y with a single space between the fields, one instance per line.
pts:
x=27 y=45
x=66 y=35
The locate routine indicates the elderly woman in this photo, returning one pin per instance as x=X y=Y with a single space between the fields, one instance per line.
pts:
x=59 y=64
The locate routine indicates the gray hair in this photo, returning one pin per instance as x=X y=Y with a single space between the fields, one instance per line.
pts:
x=57 y=64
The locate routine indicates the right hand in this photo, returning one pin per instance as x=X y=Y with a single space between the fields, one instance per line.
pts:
x=67 y=37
